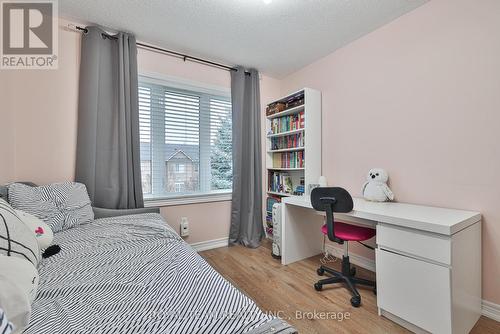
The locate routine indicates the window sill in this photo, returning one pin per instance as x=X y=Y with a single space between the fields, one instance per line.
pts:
x=188 y=199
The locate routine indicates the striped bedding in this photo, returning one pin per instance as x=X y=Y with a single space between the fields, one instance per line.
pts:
x=134 y=274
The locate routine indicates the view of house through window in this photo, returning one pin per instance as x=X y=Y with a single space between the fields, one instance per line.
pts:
x=186 y=141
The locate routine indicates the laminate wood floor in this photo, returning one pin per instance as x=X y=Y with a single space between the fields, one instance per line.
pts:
x=288 y=291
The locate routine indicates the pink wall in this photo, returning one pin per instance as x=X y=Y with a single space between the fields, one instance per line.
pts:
x=207 y=221
x=42 y=107
x=38 y=123
x=421 y=98
x=7 y=135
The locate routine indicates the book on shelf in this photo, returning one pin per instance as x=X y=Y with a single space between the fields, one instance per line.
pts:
x=275 y=107
x=291 y=141
x=289 y=160
x=287 y=123
x=279 y=106
x=271 y=200
x=287 y=185
x=280 y=183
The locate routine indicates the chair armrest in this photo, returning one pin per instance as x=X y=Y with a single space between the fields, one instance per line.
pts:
x=106 y=213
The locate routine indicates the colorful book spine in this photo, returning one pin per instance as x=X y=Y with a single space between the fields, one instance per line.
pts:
x=291 y=141
x=289 y=160
x=280 y=183
x=287 y=123
x=271 y=200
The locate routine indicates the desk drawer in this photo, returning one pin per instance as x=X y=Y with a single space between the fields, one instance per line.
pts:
x=433 y=247
x=416 y=291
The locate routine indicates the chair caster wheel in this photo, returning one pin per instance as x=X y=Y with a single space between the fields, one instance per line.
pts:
x=318 y=286
x=353 y=271
x=320 y=271
x=355 y=301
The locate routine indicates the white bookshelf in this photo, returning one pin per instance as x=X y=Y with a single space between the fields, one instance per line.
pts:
x=292 y=149
x=286 y=112
x=278 y=194
x=284 y=133
x=311 y=132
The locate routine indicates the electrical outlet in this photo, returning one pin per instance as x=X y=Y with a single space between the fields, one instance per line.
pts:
x=184 y=227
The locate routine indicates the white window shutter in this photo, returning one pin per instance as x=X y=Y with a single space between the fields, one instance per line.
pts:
x=186 y=128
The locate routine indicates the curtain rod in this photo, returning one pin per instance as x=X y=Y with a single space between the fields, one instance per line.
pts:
x=172 y=53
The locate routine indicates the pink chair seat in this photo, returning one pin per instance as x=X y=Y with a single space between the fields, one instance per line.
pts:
x=349 y=232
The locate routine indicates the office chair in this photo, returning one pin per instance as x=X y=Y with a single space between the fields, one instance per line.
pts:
x=335 y=199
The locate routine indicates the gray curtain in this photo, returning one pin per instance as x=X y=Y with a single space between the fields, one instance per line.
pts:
x=108 y=156
x=246 y=209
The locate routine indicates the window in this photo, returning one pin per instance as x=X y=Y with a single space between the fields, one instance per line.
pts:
x=180 y=168
x=186 y=140
x=146 y=176
x=179 y=187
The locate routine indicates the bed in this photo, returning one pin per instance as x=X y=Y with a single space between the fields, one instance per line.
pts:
x=134 y=274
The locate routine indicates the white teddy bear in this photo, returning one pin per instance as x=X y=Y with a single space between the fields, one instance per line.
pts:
x=375 y=188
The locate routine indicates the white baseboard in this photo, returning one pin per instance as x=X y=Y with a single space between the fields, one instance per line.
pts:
x=488 y=309
x=361 y=261
x=210 y=244
x=491 y=310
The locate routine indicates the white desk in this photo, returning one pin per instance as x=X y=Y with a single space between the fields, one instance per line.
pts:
x=428 y=259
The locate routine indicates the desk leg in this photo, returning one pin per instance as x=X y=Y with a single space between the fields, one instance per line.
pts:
x=301 y=233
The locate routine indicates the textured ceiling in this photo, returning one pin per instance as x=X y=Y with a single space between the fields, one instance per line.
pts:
x=277 y=38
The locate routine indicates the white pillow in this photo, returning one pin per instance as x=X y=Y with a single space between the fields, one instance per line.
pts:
x=16 y=239
x=42 y=231
x=15 y=302
x=22 y=273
